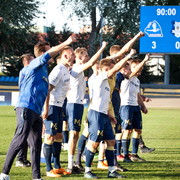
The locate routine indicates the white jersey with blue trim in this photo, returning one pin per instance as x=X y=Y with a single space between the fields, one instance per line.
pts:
x=77 y=89
x=60 y=79
x=129 y=91
x=101 y=93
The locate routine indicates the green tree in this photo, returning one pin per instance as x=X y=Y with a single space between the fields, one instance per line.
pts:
x=16 y=30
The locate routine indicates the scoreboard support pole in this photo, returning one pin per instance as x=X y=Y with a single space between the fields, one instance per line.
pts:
x=167 y=69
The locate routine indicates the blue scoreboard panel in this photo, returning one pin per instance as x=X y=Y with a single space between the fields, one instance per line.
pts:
x=161 y=25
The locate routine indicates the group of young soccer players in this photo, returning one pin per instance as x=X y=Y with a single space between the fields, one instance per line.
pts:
x=114 y=97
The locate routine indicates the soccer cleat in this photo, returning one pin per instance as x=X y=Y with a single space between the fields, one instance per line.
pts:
x=120 y=168
x=74 y=170
x=136 y=158
x=115 y=174
x=102 y=165
x=90 y=175
x=52 y=174
x=38 y=179
x=4 y=176
x=23 y=163
x=61 y=171
x=80 y=167
x=127 y=159
x=120 y=157
x=145 y=149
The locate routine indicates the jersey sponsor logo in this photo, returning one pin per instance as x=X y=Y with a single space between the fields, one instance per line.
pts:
x=137 y=85
x=106 y=88
x=66 y=80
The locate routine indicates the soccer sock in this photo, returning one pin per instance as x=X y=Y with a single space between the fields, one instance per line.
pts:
x=135 y=144
x=65 y=136
x=125 y=146
x=56 y=154
x=70 y=161
x=109 y=154
x=89 y=157
x=47 y=150
x=81 y=146
x=118 y=147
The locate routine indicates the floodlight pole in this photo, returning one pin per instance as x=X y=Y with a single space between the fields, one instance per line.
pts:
x=167 y=69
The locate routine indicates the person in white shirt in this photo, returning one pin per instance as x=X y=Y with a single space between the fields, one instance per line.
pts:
x=75 y=99
x=85 y=133
x=99 y=120
x=130 y=111
x=59 y=83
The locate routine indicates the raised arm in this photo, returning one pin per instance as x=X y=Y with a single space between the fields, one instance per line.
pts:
x=140 y=65
x=126 y=48
x=121 y=63
x=55 y=50
x=94 y=58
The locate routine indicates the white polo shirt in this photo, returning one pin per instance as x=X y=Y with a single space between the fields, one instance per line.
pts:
x=129 y=91
x=77 y=89
x=101 y=93
x=60 y=78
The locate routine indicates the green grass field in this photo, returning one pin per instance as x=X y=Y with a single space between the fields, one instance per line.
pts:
x=161 y=131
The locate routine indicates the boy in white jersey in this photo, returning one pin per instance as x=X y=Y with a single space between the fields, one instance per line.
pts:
x=85 y=133
x=130 y=111
x=59 y=82
x=98 y=120
x=75 y=99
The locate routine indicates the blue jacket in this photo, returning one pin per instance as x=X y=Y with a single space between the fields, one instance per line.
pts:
x=34 y=87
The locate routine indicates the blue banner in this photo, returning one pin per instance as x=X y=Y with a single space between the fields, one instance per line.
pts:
x=161 y=25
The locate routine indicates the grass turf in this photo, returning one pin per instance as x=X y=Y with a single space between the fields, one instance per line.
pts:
x=160 y=130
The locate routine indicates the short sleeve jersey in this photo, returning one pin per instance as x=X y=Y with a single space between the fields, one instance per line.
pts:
x=60 y=79
x=129 y=91
x=101 y=94
x=77 y=89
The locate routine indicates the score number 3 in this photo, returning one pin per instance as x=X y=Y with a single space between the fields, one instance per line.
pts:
x=153 y=44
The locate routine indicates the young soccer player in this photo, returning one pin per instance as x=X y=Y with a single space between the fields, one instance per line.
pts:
x=85 y=133
x=98 y=120
x=75 y=99
x=59 y=83
x=130 y=111
x=33 y=92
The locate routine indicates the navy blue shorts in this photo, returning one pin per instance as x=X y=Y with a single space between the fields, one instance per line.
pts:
x=131 y=117
x=54 y=121
x=74 y=114
x=99 y=126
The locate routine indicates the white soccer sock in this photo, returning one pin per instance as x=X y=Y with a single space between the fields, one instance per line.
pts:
x=87 y=169
x=111 y=168
x=70 y=161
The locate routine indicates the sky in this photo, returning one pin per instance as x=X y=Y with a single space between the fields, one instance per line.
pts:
x=53 y=15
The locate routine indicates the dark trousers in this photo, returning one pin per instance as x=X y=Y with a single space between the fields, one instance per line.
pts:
x=29 y=128
x=22 y=155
